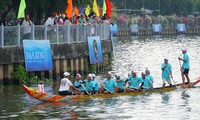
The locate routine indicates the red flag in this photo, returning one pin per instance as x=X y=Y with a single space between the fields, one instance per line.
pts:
x=69 y=9
x=108 y=8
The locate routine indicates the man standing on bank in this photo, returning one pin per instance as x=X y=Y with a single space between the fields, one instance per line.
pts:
x=166 y=72
x=185 y=66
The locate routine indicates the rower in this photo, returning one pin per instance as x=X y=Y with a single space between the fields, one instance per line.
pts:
x=66 y=85
x=120 y=83
x=78 y=82
x=185 y=66
x=149 y=76
x=109 y=84
x=166 y=72
x=90 y=86
x=95 y=83
x=146 y=82
x=135 y=81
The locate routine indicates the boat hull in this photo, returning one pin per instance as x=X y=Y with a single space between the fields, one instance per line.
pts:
x=57 y=98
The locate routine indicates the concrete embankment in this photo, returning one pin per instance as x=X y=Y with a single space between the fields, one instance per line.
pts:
x=73 y=57
x=164 y=32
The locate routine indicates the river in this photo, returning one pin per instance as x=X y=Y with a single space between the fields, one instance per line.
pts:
x=131 y=53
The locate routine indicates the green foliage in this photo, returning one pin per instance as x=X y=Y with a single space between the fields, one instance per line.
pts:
x=20 y=74
x=35 y=80
x=114 y=16
x=92 y=67
x=86 y=70
x=39 y=10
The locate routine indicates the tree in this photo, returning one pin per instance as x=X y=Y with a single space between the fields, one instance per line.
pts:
x=38 y=10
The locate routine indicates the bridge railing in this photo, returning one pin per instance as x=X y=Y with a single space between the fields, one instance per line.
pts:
x=12 y=36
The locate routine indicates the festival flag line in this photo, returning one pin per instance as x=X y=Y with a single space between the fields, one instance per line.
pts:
x=21 y=11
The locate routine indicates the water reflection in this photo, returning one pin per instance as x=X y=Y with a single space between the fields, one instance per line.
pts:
x=165 y=98
x=62 y=108
x=185 y=97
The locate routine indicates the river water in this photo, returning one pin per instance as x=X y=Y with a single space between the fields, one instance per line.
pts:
x=131 y=53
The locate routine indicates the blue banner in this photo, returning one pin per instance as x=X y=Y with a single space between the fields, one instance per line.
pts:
x=113 y=29
x=134 y=28
x=37 y=54
x=157 y=28
x=95 y=50
x=181 y=27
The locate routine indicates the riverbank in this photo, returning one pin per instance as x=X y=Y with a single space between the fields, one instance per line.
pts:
x=65 y=57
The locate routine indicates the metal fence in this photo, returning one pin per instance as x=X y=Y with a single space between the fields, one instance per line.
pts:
x=124 y=26
x=12 y=36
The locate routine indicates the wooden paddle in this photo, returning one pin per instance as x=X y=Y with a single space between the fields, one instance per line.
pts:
x=172 y=79
x=111 y=92
x=87 y=92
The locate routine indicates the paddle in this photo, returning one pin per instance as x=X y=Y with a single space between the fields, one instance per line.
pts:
x=87 y=92
x=111 y=92
x=180 y=63
x=172 y=79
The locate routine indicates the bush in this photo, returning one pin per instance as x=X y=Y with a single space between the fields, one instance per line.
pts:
x=20 y=75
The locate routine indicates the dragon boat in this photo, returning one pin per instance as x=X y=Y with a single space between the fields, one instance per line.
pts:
x=57 y=98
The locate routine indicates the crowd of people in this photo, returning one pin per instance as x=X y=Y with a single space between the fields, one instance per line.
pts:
x=118 y=84
x=54 y=19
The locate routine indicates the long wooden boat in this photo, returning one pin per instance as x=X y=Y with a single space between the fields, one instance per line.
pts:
x=57 y=98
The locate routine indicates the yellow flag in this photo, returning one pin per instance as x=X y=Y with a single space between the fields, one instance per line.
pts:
x=95 y=8
x=104 y=7
x=87 y=10
x=22 y=7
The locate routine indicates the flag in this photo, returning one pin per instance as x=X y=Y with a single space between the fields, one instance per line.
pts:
x=87 y=10
x=69 y=9
x=108 y=8
x=104 y=7
x=95 y=8
x=100 y=13
x=76 y=12
x=81 y=10
x=22 y=7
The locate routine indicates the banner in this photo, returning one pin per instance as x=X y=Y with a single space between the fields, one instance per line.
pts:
x=181 y=27
x=37 y=54
x=134 y=28
x=95 y=50
x=113 y=29
x=157 y=28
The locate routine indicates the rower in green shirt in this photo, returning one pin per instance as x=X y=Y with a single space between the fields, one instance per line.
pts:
x=109 y=84
x=185 y=66
x=146 y=82
x=120 y=83
x=166 y=72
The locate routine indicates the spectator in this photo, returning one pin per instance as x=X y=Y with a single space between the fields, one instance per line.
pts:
x=50 y=26
x=26 y=24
